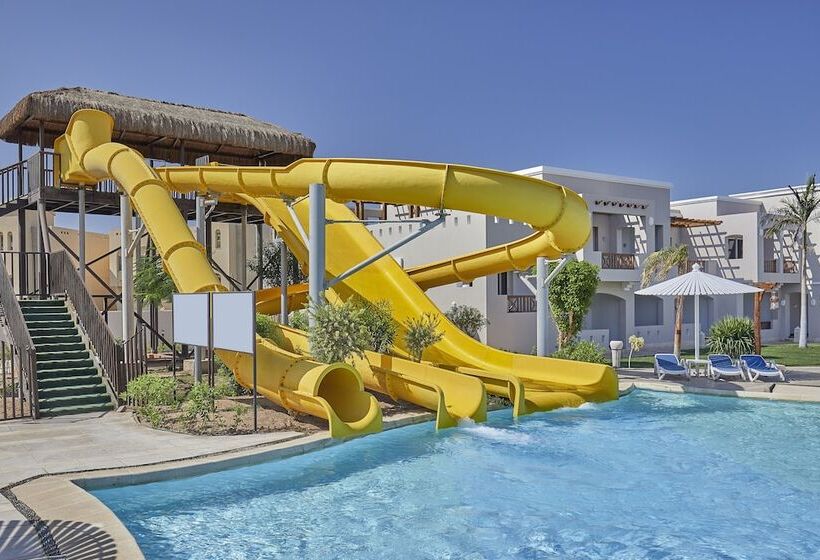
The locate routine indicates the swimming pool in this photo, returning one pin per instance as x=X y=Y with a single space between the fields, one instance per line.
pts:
x=653 y=475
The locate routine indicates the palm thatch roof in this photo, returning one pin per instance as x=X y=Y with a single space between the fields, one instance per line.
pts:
x=158 y=129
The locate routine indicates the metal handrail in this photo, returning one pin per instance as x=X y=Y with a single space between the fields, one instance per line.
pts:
x=18 y=329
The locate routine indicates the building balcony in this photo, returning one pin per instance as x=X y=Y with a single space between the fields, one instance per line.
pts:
x=521 y=304
x=618 y=261
x=770 y=265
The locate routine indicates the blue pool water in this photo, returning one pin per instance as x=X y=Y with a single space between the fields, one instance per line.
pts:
x=650 y=476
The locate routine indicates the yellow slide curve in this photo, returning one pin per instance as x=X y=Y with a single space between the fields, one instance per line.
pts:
x=331 y=391
x=531 y=383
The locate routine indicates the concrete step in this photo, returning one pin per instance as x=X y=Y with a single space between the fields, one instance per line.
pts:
x=71 y=390
x=40 y=303
x=46 y=340
x=59 y=348
x=47 y=330
x=38 y=314
x=65 y=355
x=67 y=381
x=43 y=366
x=66 y=410
x=66 y=372
x=74 y=400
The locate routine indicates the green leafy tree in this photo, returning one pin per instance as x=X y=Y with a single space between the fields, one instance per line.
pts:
x=422 y=332
x=339 y=332
x=797 y=212
x=467 y=318
x=152 y=285
x=378 y=320
x=268 y=267
x=657 y=267
x=570 y=297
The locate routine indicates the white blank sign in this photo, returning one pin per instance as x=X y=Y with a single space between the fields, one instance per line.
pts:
x=191 y=319
x=234 y=321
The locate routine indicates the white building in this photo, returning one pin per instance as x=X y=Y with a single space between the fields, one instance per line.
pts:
x=631 y=218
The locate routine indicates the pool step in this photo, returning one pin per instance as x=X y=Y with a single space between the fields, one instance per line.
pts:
x=68 y=382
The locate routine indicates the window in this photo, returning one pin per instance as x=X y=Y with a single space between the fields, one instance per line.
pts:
x=658 y=238
x=1 y=241
x=735 y=246
x=468 y=219
x=218 y=239
x=502 y=284
x=595 y=238
x=455 y=221
x=10 y=242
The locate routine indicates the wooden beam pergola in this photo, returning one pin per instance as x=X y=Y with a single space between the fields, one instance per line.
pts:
x=681 y=222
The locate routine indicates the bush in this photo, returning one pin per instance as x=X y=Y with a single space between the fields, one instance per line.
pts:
x=339 y=332
x=582 y=351
x=200 y=402
x=298 y=320
x=733 y=336
x=467 y=318
x=378 y=320
x=150 y=389
x=264 y=326
x=421 y=334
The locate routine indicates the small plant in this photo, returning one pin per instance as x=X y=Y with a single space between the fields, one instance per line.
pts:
x=151 y=395
x=267 y=328
x=636 y=343
x=200 y=403
x=422 y=333
x=467 y=318
x=239 y=412
x=298 y=320
x=339 y=332
x=378 y=320
x=733 y=336
x=582 y=351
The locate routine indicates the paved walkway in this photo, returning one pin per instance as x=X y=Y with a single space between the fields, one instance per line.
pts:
x=92 y=441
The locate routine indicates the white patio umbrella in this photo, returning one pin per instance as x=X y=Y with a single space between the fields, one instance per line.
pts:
x=697 y=283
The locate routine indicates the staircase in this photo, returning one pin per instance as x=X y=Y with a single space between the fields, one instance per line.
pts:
x=68 y=382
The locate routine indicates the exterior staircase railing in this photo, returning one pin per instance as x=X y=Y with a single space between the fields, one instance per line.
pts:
x=22 y=348
x=121 y=361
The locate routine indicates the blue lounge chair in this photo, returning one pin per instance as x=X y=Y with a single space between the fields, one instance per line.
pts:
x=722 y=366
x=668 y=364
x=757 y=367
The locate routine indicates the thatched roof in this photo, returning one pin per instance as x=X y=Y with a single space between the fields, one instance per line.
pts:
x=158 y=129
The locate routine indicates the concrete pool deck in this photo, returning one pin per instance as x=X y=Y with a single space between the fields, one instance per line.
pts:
x=57 y=460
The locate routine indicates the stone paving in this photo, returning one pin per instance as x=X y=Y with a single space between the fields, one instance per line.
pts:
x=93 y=441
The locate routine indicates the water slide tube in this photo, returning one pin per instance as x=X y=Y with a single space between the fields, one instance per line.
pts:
x=334 y=391
x=452 y=396
x=532 y=383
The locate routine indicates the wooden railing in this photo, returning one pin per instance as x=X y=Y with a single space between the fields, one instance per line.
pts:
x=521 y=304
x=22 y=348
x=120 y=362
x=618 y=261
x=24 y=271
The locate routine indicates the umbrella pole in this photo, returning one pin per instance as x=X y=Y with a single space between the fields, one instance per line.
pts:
x=697 y=327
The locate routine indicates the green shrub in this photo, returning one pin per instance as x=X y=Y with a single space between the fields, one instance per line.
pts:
x=378 y=320
x=298 y=319
x=582 y=351
x=150 y=389
x=467 y=318
x=422 y=333
x=265 y=325
x=200 y=402
x=733 y=336
x=339 y=332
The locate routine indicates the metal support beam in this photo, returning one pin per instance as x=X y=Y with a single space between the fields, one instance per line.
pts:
x=316 y=246
x=22 y=286
x=81 y=231
x=541 y=306
x=201 y=236
x=127 y=272
x=260 y=250
x=297 y=222
x=428 y=225
x=283 y=282
x=242 y=274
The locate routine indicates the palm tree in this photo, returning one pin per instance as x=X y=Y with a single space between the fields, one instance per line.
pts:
x=153 y=286
x=657 y=267
x=797 y=211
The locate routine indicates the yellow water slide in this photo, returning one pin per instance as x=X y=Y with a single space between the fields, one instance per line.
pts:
x=334 y=391
x=560 y=217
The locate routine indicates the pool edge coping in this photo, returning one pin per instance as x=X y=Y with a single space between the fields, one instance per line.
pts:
x=67 y=495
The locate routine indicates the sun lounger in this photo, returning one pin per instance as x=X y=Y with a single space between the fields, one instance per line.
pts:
x=668 y=364
x=721 y=366
x=757 y=367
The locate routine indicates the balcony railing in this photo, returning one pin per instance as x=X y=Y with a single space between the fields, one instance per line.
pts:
x=618 y=261
x=770 y=265
x=520 y=304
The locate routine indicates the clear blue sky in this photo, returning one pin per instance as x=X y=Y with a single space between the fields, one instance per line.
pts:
x=716 y=97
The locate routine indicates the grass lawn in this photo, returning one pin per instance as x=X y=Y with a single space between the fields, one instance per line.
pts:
x=784 y=353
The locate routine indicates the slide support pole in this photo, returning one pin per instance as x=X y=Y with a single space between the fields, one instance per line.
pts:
x=283 y=282
x=127 y=273
x=541 y=306
x=200 y=237
x=316 y=257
